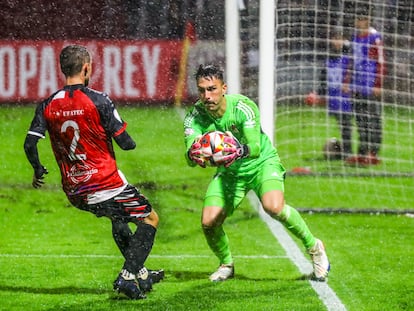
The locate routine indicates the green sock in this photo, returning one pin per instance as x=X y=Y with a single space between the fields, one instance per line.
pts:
x=219 y=243
x=294 y=222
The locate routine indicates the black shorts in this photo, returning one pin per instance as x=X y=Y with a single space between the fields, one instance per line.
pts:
x=129 y=204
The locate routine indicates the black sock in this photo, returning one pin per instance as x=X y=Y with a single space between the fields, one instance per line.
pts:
x=140 y=245
x=121 y=234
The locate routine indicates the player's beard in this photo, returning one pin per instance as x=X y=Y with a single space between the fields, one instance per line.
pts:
x=86 y=83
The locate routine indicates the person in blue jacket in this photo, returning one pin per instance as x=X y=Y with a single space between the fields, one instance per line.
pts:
x=367 y=76
x=332 y=81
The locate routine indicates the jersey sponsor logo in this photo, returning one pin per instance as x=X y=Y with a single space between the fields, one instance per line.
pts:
x=81 y=173
x=71 y=113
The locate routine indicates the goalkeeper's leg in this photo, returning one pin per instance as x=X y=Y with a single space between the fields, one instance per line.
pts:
x=217 y=240
x=274 y=204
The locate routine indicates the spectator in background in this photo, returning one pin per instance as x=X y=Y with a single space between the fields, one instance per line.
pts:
x=332 y=91
x=367 y=76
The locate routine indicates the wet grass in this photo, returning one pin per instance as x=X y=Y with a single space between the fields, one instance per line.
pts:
x=55 y=257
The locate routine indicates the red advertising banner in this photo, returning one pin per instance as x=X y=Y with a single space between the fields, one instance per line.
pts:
x=134 y=71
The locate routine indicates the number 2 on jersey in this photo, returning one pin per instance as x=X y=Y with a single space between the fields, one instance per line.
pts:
x=72 y=150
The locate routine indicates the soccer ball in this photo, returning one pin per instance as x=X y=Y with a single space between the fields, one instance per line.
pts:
x=212 y=148
x=332 y=149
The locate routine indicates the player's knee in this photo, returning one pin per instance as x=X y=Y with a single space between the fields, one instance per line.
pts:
x=274 y=210
x=273 y=203
x=152 y=219
x=207 y=223
x=118 y=225
x=212 y=216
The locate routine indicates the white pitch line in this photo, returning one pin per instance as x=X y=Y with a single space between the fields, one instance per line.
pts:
x=178 y=256
x=325 y=293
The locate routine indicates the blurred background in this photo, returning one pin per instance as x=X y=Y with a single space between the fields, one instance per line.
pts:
x=302 y=28
x=145 y=53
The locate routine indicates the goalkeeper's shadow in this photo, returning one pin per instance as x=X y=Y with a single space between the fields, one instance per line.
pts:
x=180 y=276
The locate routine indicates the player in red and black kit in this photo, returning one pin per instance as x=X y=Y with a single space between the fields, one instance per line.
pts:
x=81 y=123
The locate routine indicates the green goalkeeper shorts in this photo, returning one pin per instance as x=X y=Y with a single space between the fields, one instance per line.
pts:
x=227 y=190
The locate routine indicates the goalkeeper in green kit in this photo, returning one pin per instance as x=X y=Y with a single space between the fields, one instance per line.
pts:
x=251 y=163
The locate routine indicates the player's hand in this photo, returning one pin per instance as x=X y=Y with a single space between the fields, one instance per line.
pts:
x=195 y=152
x=230 y=142
x=234 y=150
x=38 y=176
x=346 y=88
x=377 y=91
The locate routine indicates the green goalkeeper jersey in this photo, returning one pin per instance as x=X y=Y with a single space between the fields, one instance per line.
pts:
x=242 y=119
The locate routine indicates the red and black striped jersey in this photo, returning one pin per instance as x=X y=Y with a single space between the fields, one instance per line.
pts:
x=81 y=123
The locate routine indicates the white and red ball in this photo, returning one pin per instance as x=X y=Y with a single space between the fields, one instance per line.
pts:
x=212 y=148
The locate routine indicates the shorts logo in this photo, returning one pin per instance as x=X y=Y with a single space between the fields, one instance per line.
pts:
x=80 y=173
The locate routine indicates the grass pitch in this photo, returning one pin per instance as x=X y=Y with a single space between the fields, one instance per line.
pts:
x=55 y=257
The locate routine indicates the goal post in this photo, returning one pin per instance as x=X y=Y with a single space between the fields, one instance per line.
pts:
x=232 y=46
x=266 y=66
x=300 y=47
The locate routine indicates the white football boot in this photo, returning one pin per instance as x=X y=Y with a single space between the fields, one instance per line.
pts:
x=320 y=261
x=223 y=273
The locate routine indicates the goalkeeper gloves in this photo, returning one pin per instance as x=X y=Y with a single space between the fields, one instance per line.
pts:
x=194 y=153
x=38 y=176
x=234 y=149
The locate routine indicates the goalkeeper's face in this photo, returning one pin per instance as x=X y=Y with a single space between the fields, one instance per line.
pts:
x=211 y=92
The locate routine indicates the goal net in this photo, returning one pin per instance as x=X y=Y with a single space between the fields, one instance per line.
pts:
x=302 y=47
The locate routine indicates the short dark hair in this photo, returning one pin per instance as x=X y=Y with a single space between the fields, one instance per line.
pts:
x=72 y=58
x=209 y=71
x=362 y=12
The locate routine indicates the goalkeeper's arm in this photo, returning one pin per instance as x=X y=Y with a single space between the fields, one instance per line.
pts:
x=238 y=150
x=253 y=141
